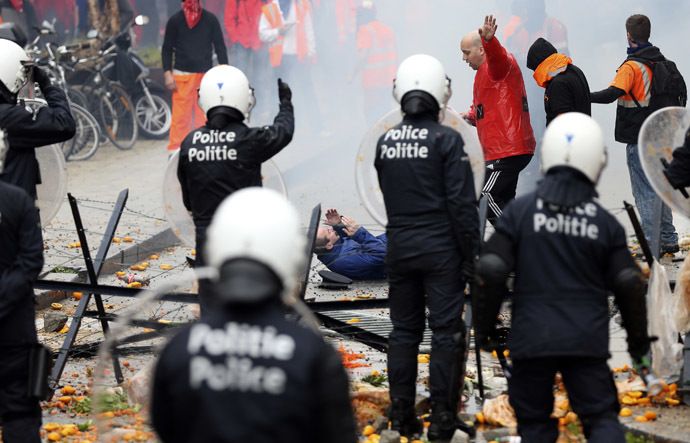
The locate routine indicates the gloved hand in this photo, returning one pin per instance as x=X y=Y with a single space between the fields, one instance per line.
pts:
x=467 y=271
x=284 y=92
x=42 y=77
x=638 y=347
x=487 y=340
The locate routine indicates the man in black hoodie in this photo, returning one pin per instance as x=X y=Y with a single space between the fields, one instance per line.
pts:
x=566 y=86
x=632 y=87
x=567 y=253
x=432 y=230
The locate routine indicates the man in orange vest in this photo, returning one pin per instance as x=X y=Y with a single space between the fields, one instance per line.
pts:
x=377 y=62
x=191 y=36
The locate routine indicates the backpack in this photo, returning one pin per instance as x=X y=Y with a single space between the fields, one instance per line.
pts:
x=668 y=86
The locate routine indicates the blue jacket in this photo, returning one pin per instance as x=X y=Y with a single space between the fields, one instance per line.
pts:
x=360 y=257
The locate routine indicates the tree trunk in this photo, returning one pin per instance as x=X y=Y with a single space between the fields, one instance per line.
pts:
x=114 y=16
x=106 y=26
x=95 y=14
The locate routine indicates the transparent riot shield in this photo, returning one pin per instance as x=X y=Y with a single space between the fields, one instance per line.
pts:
x=52 y=190
x=661 y=133
x=177 y=215
x=365 y=174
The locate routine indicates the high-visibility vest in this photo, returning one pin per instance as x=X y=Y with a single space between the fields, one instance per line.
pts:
x=275 y=48
x=346 y=20
x=302 y=10
x=382 y=61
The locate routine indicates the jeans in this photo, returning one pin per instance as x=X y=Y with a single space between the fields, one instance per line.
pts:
x=644 y=199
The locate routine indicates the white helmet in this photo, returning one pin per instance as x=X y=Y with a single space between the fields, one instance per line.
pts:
x=422 y=72
x=13 y=72
x=575 y=140
x=225 y=85
x=262 y=226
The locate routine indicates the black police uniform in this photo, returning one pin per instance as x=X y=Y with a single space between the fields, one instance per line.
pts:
x=214 y=163
x=21 y=260
x=678 y=171
x=251 y=375
x=428 y=190
x=27 y=130
x=565 y=262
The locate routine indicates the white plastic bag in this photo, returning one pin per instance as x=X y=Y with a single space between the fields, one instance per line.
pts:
x=666 y=351
x=681 y=295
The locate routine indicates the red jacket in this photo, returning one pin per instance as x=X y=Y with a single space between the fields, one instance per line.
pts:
x=499 y=109
x=241 y=20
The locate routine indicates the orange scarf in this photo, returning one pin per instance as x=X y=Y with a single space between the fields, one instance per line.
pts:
x=551 y=67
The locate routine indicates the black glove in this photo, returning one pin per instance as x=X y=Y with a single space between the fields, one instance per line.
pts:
x=42 y=77
x=467 y=271
x=638 y=347
x=284 y=92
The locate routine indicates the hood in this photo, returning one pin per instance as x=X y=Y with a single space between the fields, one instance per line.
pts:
x=551 y=67
x=565 y=187
x=540 y=50
x=651 y=53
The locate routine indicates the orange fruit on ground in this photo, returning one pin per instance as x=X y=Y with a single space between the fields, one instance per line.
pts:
x=480 y=417
x=56 y=306
x=641 y=419
x=651 y=415
x=68 y=390
x=634 y=394
x=65 y=399
x=51 y=427
x=626 y=400
x=54 y=436
x=672 y=402
x=368 y=430
x=625 y=412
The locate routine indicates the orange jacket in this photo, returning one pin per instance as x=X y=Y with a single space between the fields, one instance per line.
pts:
x=499 y=108
x=302 y=10
x=518 y=40
x=346 y=20
x=275 y=19
x=382 y=61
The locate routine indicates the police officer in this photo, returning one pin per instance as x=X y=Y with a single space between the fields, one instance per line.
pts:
x=428 y=190
x=21 y=260
x=225 y=155
x=567 y=253
x=678 y=171
x=245 y=372
x=27 y=130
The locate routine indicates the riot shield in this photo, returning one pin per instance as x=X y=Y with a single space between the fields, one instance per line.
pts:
x=53 y=187
x=661 y=133
x=365 y=174
x=177 y=215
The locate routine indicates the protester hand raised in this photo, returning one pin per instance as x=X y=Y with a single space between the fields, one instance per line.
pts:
x=350 y=225
x=332 y=217
x=488 y=31
x=284 y=92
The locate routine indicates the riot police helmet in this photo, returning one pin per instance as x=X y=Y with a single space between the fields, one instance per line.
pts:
x=422 y=72
x=228 y=87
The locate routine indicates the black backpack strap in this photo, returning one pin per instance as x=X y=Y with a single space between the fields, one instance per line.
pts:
x=644 y=61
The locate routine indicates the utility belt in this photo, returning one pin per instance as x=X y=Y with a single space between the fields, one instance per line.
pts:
x=40 y=365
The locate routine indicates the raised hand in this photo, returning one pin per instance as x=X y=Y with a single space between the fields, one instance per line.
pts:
x=332 y=217
x=488 y=31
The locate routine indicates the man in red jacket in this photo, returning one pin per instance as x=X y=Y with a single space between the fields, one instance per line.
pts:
x=500 y=113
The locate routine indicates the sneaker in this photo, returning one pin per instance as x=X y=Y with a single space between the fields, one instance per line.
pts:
x=670 y=248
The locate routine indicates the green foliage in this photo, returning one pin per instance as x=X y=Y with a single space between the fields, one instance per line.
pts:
x=64 y=270
x=83 y=406
x=632 y=438
x=115 y=402
x=376 y=380
x=151 y=56
x=83 y=427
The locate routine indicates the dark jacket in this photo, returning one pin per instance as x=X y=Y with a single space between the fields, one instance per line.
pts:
x=193 y=48
x=428 y=189
x=21 y=260
x=279 y=382
x=567 y=90
x=27 y=130
x=214 y=163
x=360 y=257
x=678 y=171
x=565 y=263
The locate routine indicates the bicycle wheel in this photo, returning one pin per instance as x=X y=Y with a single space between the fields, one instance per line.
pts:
x=86 y=140
x=77 y=97
x=154 y=121
x=117 y=117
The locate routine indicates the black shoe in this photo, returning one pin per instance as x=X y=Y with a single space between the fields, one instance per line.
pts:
x=403 y=418
x=444 y=424
x=670 y=248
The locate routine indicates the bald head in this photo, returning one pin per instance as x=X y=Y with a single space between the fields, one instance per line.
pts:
x=472 y=50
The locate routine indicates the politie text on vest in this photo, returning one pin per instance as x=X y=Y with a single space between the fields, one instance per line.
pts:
x=406 y=143
x=213 y=151
x=574 y=223
x=240 y=344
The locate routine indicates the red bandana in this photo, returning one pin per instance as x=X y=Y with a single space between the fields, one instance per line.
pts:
x=192 y=12
x=18 y=5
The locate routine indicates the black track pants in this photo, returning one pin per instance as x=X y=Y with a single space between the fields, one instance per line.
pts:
x=501 y=181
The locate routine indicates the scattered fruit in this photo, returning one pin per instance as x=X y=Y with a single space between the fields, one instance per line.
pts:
x=120 y=273
x=64 y=330
x=353 y=320
x=626 y=400
x=125 y=363
x=635 y=394
x=116 y=240
x=368 y=430
x=50 y=427
x=625 y=412
x=672 y=402
x=134 y=284
x=423 y=358
x=127 y=239
x=193 y=252
x=641 y=419
x=77 y=295
x=155 y=257
x=651 y=415
x=54 y=436
x=56 y=306
x=165 y=267
x=480 y=417
x=68 y=390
